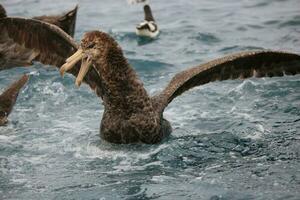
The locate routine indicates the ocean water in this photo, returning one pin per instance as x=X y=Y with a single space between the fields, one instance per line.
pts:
x=237 y=139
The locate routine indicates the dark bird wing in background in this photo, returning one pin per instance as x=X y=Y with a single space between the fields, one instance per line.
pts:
x=33 y=40
x=148 y=13
x=47 y=43
x=240 y=65
x=9 y=96
x=65 y=21
x=2 y=11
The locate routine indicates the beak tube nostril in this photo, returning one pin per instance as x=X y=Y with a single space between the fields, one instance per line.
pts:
x=78 y=52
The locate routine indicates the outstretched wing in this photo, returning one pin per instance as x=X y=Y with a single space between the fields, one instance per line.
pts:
x=148 y=13
x=23 y=41
x=2 y=11
x=9 y=96
x=65 y=21
x=241 y=65
x=26 y=40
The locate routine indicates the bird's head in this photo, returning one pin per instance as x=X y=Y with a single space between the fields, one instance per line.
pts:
x=94 y=49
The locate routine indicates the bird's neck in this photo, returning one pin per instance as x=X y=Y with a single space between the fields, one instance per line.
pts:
x=121 y=89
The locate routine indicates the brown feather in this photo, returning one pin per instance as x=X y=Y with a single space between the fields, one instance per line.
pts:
x=64 y=21
x=240 y=65
x=2 y=11
x=37 y=41
x=9 y=96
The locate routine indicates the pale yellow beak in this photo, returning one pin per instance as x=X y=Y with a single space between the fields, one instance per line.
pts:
x=71 y=62
x=85 y=66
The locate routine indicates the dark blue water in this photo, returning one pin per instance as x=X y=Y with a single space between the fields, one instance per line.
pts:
x=231 y=140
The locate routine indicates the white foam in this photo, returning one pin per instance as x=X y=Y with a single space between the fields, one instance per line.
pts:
x=161 y=178
x=242 y=86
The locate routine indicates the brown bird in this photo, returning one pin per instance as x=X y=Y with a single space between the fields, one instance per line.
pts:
x=130 y=114
x=8 y=98
x=64 y=21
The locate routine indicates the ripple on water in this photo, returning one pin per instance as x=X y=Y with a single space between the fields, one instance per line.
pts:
x=259 y=4
x=207 y=38
x=271 y=22
x=237 y=48
x=123 y=36
x=294 y=22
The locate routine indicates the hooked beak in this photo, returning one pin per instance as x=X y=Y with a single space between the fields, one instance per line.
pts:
x=71 y=62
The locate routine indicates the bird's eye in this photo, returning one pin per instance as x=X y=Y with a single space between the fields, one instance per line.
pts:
x=91 y=45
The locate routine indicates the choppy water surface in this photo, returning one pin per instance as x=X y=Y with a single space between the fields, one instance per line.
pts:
x=231 y=140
